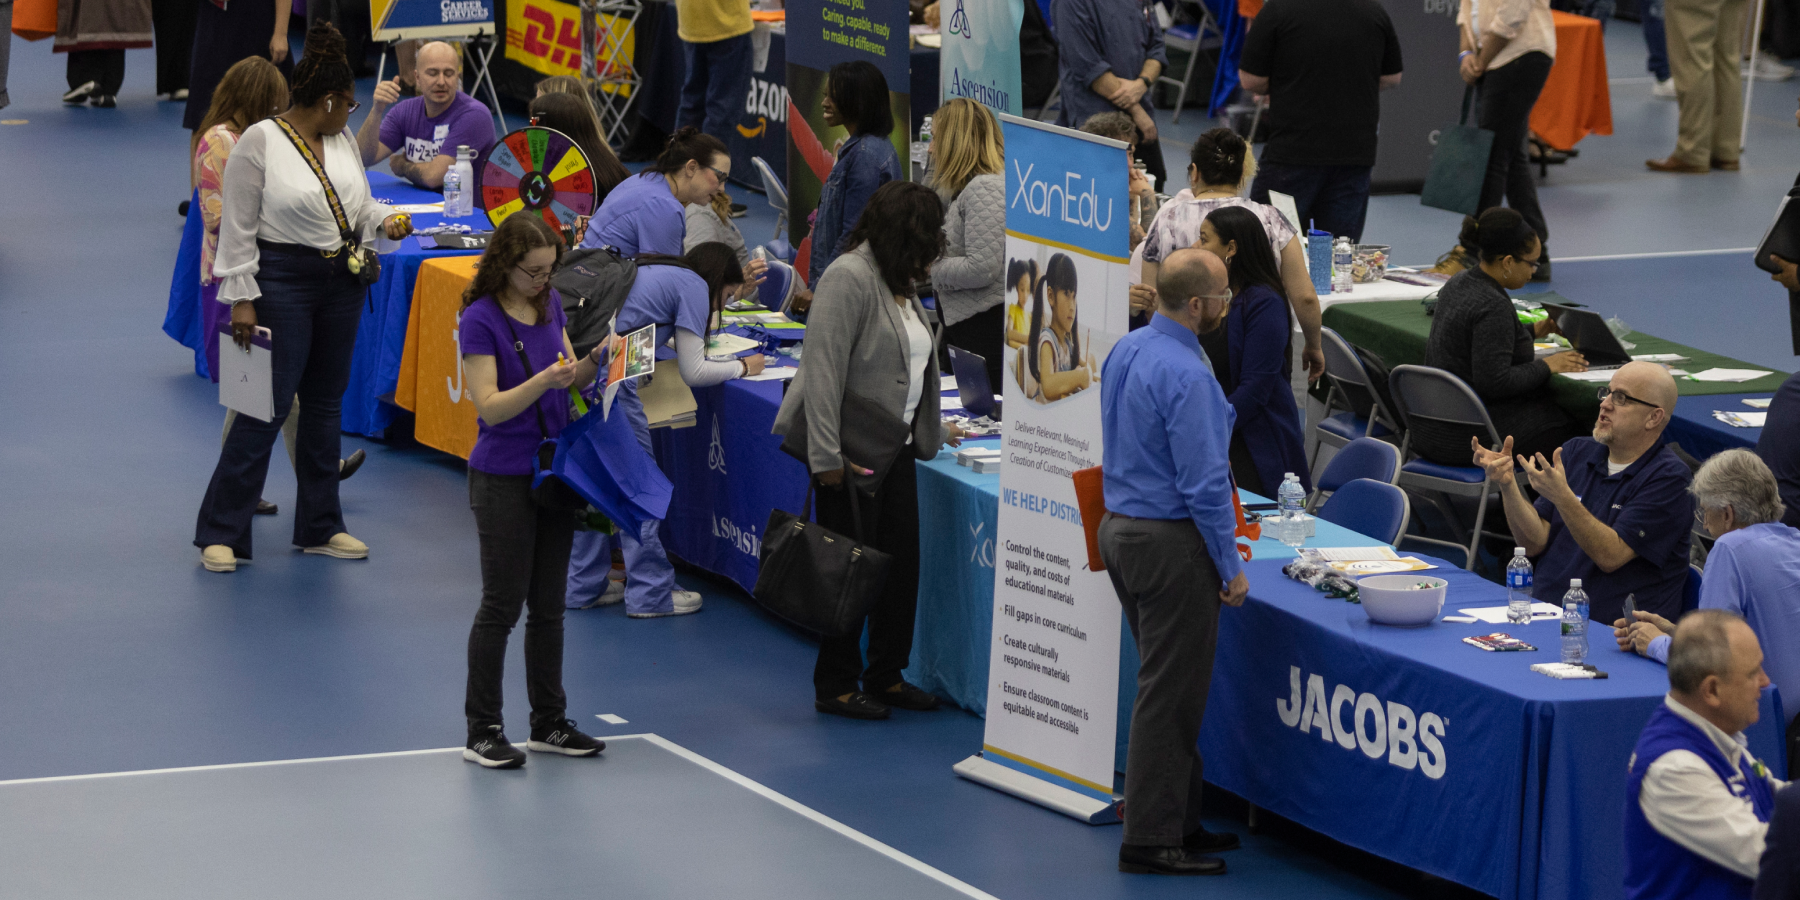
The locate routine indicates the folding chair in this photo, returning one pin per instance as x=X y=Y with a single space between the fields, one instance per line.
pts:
x=1434 y=395
x=1362 y=458
x=1374 y=508
x=1348 y=379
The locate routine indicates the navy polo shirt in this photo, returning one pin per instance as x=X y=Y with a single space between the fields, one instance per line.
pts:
x=1648 y=505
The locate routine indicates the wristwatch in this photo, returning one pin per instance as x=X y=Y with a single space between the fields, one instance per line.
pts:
x=1148 y=84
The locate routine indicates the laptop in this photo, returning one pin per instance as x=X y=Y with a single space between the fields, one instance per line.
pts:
x=1588 y=333
x=972 y=384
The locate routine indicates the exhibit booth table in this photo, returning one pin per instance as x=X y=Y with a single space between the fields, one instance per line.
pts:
x=1575 y=101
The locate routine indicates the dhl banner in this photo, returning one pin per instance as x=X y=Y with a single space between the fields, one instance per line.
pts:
x=401 y=20
x=545 y=35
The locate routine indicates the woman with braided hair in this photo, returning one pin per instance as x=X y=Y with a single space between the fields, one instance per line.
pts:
x=296 y=216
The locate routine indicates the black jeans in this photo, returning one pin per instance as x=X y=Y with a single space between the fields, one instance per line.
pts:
x=173 y=21
x=1506 y=96
x=983 y=334
x=1333 y=199
x=312 y=306
x=105 y=68
x=524 y=564
x=890 y=521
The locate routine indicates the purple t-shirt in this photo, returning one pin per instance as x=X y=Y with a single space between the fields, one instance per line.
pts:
x=408 y=131
x=507 y=448
x=667 y=297
x=641 y=215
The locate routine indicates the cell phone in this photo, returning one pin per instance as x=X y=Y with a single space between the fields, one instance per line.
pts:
x=1630 y=608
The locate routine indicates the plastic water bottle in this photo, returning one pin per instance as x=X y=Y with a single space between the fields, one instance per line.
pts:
x=1293 y=501
x=1341 y=258
x=465 y=181
x=921 y=148
x=1518 y=588
x=1574 y=624
x=453 y=185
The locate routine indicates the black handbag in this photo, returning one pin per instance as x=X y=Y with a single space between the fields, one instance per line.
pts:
x=876 y=440
x=816 y=578
x=548 y=491
x=363 y=262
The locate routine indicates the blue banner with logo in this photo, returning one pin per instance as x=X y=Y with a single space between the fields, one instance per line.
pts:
x=406 y=19
x=1067 y=189
x=980 y=58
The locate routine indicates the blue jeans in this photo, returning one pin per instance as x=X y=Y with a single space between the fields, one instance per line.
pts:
x=1656 y=41
x=649 y=577
x=718 y=80
x=312 y=307
x=1333 y=199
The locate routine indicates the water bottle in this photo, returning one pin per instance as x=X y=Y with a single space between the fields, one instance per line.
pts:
x=465 y=180
x=1518 y=588
x=921 y=148
x=453 y=184
x=1318 y=260
x=1341 y=258
x=1574 y=624
x=1293 y=500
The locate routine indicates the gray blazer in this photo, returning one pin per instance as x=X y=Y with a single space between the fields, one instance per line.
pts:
x=856 y=341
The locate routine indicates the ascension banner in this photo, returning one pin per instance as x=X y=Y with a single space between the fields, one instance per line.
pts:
x=1053 y=671
x=980 y=56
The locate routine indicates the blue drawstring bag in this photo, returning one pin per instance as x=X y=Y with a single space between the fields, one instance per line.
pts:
x=600 y=459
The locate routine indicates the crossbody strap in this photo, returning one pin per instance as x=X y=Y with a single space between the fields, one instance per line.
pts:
x=525 y=361
x=331 y=197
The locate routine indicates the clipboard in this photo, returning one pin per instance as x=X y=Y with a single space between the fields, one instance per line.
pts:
x=1782 y=239
x=246 y=379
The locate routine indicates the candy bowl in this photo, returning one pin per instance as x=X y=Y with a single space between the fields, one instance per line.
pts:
x=1368 y=263
x=1405 y=599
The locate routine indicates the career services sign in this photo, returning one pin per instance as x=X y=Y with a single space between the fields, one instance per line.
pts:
x=395 y=20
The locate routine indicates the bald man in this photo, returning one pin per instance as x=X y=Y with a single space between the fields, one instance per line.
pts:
x=1168 y=540
x=419 y=136
x=1613 y=510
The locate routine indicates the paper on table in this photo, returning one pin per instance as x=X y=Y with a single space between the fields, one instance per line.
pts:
x=1757 y=404
x=781 y=373
x=1602 y=375
x=728 y=345
x=1496 y=615
x=946 y=382
x=1352 y=554
x=1741 y=420
x=420 y=207
x=1717 y=374
x=246 y=380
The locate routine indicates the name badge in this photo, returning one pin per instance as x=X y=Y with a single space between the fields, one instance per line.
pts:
x=440 y=132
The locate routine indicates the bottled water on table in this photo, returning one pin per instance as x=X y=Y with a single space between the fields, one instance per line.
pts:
x=1342 y=255
x=465 y=179
x=1292 y=496
x=1518 y=588
x=453 y=190
x=1574 y=624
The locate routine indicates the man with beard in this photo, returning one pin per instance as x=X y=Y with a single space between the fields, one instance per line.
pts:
x=1612 y=510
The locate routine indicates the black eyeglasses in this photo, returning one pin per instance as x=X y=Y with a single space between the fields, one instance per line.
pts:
x=1535 y=264
x=534 y=276
x=1620 y=397
x=719 y=172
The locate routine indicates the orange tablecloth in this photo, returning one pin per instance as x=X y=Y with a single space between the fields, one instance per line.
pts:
x=1575 y=102
x=431 y=377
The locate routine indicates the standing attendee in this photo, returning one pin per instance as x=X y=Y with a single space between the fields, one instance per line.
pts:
x=1144 y=206
x=96 y=34
x=574 y=117
x=715 y=42
x=352 y=20
x=1507 y=57
x=6 y=36
x=1252 y=362
x=1169 y=547
x=1323 y=65
x=1706 y=40
x=283 y=262
x=173 y=25
x=856 y=99
x=868 y=335
x=226 y=33
x=1220 y=167
x=1111 y=54
x=1697 y=803
x=1779 y=447
x=419 y=136
x=518 y=364
x=1656 y=49
x=967 y=158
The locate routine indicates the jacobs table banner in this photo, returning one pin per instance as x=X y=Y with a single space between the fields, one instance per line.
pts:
x=545 y=36
x=980 y=58
x=399 y=20
x=1053 y=671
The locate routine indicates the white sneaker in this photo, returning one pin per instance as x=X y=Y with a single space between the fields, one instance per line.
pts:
x=341 y=546
x=1664 y=89
x=1768 y=69
x=686 y=603
x=613 y=595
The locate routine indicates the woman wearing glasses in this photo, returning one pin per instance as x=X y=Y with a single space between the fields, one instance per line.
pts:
x=1476 y=335
x=283 y=263
x=643 y=214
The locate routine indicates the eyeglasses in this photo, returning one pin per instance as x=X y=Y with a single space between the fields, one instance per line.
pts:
x=534 y=276
x=1619 y=397
x=355 y=104
x=719 y=172
x=1535 y=264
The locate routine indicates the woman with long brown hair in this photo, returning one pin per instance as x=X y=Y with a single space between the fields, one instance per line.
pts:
x=574 y=117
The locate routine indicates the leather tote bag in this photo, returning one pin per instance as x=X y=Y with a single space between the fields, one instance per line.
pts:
x=816 y=578
x=868 y=435
x=1459 y=164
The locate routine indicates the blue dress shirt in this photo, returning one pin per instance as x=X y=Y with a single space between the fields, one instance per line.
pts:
x=1648 y=506
x=1157 y=393
x=1755 y=572
x=1094 y=37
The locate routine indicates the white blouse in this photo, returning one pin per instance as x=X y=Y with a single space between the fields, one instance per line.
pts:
x=270 y=193
x=918 y=356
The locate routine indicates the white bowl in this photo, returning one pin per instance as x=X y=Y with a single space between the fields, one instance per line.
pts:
x=1393 y=600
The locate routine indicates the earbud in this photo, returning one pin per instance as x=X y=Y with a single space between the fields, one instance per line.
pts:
x=328 y=106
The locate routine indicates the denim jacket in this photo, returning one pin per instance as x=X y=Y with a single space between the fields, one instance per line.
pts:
x=865 y=163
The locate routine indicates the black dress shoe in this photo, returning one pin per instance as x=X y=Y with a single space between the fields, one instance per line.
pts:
x=908 y=696
x=858 y=706
x=1141 y=860
x=350 y=464
x=1211 y=841
x=265 y=508
x=81 y=93
x=104 y=101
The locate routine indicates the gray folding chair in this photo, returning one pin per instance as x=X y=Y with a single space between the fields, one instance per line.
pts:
x=775 y=191
x=1347 y=378
x=1434 y=395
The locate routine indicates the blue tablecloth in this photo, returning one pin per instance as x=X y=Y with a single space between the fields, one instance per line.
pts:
x=375 y=365
x=1695 y=429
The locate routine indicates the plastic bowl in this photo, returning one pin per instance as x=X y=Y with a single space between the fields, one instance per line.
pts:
x=1393 y=600
x=1369 y=263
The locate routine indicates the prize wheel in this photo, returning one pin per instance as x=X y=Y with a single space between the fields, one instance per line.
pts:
x=536 y=170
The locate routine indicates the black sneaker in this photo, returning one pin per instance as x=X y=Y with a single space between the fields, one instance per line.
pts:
x=563 y=737
x=739 y=210
x=104 y=101
x=491 y=750
x=80 y=94
x=907 y=696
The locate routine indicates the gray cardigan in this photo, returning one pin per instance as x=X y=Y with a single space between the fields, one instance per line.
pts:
x=968 y=278
x=704 y=225
x=856 y=341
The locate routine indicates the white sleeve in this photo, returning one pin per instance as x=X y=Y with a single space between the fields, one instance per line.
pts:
x=1685 y=801
x=696 y=369
x=240 y=195
x=367 y=220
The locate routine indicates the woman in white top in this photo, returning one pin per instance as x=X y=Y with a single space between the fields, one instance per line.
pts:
x=283 y=264
x=1220 y=167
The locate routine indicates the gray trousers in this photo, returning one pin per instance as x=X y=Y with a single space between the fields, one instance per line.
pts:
x=1169 y=588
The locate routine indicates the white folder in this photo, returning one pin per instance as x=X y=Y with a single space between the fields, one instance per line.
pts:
x=246 y=378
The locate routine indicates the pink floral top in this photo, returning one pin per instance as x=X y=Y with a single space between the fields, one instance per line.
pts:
x=209 y=160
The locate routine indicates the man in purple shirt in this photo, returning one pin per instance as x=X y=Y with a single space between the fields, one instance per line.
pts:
x=418 y=137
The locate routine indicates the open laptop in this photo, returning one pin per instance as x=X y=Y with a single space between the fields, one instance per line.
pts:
x=972 y=384
x=1588 y=333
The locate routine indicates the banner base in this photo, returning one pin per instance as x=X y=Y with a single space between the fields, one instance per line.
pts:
x=1050 y=796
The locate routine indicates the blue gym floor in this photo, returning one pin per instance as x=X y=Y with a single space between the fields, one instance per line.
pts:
x=118 y=653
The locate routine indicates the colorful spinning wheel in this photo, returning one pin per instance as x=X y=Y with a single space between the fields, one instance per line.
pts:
x=536 y=170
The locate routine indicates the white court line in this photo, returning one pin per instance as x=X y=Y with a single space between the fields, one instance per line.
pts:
x=611 y=719
x=243 y=765
x=1670 y=254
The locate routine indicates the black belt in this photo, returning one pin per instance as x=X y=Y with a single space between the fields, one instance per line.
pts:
x=297 y=249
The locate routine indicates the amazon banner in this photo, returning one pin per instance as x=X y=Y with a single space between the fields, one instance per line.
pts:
x=821 y=34
x=762 y=121
x=545 y=36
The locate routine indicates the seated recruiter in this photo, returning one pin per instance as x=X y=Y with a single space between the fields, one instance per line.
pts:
x=419 y=136
x=1612 y=510
x=1753 y=569
x=1778 y=878
x=1697 y=803
x=1779 y=446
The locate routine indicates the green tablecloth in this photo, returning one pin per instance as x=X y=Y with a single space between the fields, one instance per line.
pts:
x=1396 y=330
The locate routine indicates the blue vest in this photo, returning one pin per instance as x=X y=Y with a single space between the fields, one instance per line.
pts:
x=1656 y=867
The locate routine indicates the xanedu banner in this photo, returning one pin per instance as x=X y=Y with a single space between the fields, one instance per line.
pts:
x=980 y=58
x=399 y=20
x=1053 y=671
